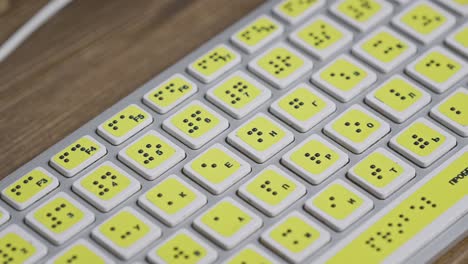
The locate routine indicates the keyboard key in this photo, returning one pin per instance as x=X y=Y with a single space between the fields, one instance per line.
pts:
x=124 y=124
x=295 y=237
x=384 y=49
x=260 y=138
x=381 y=173
x=172 y=200
x=214 y=63
x=418 y=215
x=227 y=223
x=151 y=155
x=344 y=78
x=4 y=216
x=250 y=254
x=357 y=129
x=339 y=205
x=59 y=218
x=294 y=11
x=315 y=159
x=29 y=188
x=183 y=247
x=272 y=190
x=398 y=98
x=217 y=169
x=257 y=34
x=126 y=233
x=302 y=107
x=453 y=112
x=438 y=69
x=424 y=21
x=238 y=94
x=77 y=156
x=362 y=15
x=170 y=93
x=423 y=142
x=321 y=37
x=458 y=40
x=458 y=6
x=280 y=65
x=81 y=252
x=195 y=124
x=17 y=246
x=106 y=186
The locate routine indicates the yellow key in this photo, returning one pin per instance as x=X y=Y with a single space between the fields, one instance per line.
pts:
x=339 y=205
x=423 y=142
x=60 y=218
x=29 y=188
x=295 y=237
x=294 y=11
x=227 y=223
x=257 y=34
x=81 y=252
x=462 y=37
x=124 y=124
x=172 y=200
x=362 y=14
x=458 y=40
x=77 y=156
x=453 y=112
x=183 y=247
x=126 y=233
x=249 y=255
x=170 y=93
x=18 y=246
x=214 y=63
x=435 y=202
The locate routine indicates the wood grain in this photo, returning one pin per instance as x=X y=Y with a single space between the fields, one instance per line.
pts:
x=91 y=55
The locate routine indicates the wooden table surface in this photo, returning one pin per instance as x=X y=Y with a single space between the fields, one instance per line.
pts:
x=91 y=55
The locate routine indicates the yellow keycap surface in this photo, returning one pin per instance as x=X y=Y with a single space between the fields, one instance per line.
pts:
x=59 y=215
x=398 y=94
x=437 y=67
x=343 y=75
x=280 y=62
x=356 y=125
x=302 y=104
x=181 y=249
x=320 y=34
x=360 y=10
x=294 y=234
x=77 y=153
x=170 y=92
x=315 y=157
x=456 y=108
x=215 y=165
x=226 y=219
x=271 y=187
x=260 y=133
x=28 y=186
x=337 y=201
x=79 y=254
x=378 y=169
x=195 y=121
x=124 y=229
x=249 y=256
x=408 y=218
x=150 y=151
x=421 y=139
x=171 y=196
x=257 y=31
x=424 y=19
x=125 y=121
x=214 y=61
x=105 y=182
x=295 y=8
x=15 y=249
x=237 y=92
x=385 y=47
x=462 y=37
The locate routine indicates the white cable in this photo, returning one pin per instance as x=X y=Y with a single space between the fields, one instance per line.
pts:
x=32 y=25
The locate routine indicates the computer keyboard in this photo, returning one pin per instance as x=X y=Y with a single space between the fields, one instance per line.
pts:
x=311 y=131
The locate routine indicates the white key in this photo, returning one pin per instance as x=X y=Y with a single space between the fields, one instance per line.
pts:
x=453 y=112
x=84 y=247
x=315 y=159
x=227 y=213
x=339 y=205
x=33 y=249
x=458 y=40
x=381 y=173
